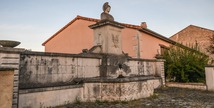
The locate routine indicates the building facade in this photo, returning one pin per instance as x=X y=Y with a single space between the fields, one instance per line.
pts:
x=194 y=34
x=137 y=40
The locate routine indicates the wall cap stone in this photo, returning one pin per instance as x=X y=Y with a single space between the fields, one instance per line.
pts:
x=106 y=22
x=2 y=69
x=49 y=89
x=119 y=80
x=59 y=54
x=209 y=66
x=11 y=50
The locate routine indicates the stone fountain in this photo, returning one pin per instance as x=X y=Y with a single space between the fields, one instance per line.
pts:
x=118 y=80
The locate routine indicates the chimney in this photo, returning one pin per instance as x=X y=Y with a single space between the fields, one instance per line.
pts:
x=143 y=25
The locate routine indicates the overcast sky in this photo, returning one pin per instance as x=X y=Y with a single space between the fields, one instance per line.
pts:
x=33 y=21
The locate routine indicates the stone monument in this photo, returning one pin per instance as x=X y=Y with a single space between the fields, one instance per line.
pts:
x=107 y=33
x=105 y=15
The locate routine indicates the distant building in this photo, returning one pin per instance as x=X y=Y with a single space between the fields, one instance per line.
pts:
x=137 y=40
x=195 y=34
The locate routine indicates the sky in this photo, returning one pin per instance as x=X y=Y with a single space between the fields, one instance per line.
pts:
x=34 y=21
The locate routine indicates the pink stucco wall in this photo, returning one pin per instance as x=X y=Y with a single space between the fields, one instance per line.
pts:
x=150 y=45
x=78 y=36
x=73 y=39
x=129 y=41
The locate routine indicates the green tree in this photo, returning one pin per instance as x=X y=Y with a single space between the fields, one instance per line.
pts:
x=185 y=64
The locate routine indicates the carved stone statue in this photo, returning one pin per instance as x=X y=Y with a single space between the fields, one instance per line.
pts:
x=105 y=14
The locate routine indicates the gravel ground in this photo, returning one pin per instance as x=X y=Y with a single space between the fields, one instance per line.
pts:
x=167 y=97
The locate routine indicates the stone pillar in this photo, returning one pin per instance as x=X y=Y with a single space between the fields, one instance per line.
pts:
x=108 y=35
x=160 y=70
x=6 y=87
x=10 y=58
x=209 y=73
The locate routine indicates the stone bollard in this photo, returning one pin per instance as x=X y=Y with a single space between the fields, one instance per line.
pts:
x=160 y=70
x=209 y=73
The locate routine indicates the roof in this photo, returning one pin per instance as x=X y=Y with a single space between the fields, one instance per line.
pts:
x=192 y=26
x=137 y=27
x=157 y=35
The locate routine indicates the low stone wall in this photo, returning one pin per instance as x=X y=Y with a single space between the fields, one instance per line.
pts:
x=199 y=86
x=49 y=70
x=142 y=67
x=124 y=89
x=49 y=97
x=120 y=89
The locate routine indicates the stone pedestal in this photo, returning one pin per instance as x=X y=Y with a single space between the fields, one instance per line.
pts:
x=209 y=73
x=108 y=35
x=160 y=70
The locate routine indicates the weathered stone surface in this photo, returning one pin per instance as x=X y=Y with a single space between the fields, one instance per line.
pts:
x=108 y=35
x=105 y=15
x=209 y=72
x=118 y=91
x=9 y=58
x=9 y=43
x=48 y=97
x=42 y=71
x=110 y=65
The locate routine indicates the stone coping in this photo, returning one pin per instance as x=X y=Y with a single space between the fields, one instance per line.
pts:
x=34 y=53
x=2 y=69
x=209 y=66
x=199 y=84
x=106 y=22
x=26 y=52
x=91 y=80
x=49 y=89
x=139 y=59
x=118 y=80
x=11 y=50
x=151 y=60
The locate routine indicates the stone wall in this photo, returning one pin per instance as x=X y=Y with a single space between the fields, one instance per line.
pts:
x=52 y=79
x=9 y=58
x=142 y=67
x=49 y=97
x=199 y=86
x=147 y=67
x=46 y=70
x=119 y=90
